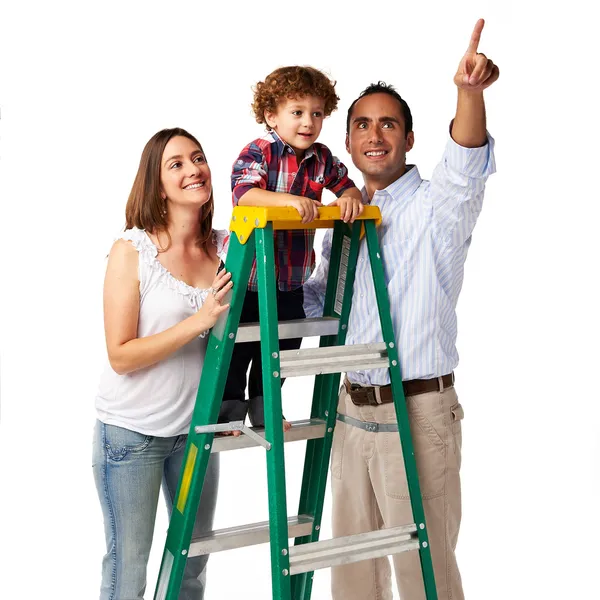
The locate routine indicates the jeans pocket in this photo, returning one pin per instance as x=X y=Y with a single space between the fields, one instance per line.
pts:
x=337 y=450
x=120 y=442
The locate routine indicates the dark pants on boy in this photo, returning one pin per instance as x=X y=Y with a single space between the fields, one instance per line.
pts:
x=235 y=406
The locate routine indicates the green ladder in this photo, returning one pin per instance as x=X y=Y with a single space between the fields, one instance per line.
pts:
x=292 y=567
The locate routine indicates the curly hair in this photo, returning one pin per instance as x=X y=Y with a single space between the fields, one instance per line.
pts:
x=292 y=82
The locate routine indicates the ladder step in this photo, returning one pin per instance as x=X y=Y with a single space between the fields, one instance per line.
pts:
x=333 y=359
x=352 y=548
x=297 y=328
x=246 y=535
x=306 y=429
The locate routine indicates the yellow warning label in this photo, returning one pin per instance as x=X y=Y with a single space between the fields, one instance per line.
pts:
x=186 y=481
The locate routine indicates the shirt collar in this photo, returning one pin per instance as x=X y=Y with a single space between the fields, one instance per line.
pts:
x=404 y=187
x=283 y=147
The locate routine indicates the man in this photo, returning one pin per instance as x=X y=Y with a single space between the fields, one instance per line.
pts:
x=424 y=237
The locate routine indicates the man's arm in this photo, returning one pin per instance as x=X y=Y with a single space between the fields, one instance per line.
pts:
x=475 y=73
x=316 y=286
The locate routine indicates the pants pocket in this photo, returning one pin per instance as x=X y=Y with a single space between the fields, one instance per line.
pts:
x=120 y=442
x=458 y=414
x=427 y=427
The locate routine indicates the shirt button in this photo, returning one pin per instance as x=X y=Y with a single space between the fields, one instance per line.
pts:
x=294 y=174
x=289 y=150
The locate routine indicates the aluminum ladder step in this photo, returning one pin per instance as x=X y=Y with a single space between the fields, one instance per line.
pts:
x=352 y=548
x=296 y=328
x=246 y=535
x=307 y=429
x=333 y=359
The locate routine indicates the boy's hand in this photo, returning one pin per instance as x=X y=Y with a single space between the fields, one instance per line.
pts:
x=351 y=206
x=308 y=209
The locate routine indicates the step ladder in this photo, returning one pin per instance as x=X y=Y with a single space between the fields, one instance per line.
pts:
x=292 y=567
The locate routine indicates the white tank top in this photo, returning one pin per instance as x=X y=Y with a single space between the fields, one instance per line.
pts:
x=158 y=400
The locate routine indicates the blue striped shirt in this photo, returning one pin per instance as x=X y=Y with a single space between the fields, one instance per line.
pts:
x=424 y=238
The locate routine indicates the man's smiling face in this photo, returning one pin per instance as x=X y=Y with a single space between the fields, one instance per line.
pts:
x=377 y=141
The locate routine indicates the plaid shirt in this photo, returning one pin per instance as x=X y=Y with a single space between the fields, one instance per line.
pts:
x=270 y=164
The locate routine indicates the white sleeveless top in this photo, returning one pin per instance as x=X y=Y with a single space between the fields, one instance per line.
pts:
x=158 y=400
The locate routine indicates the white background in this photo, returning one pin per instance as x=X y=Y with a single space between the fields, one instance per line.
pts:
x=84 y=86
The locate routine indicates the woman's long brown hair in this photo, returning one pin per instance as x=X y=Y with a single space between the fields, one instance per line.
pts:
x=145 y=207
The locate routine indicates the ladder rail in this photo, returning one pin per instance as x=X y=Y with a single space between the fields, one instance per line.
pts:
x=338 y=298
x=410 y=465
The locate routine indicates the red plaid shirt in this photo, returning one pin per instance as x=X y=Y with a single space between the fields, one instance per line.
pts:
x=270 y=164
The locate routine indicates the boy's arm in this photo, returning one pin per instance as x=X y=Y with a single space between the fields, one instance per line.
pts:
x=307 y=208
x=249 y=180
x=350 y=203
x=349 y=198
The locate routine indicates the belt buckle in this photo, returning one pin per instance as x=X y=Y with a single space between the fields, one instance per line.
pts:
x=372 y=427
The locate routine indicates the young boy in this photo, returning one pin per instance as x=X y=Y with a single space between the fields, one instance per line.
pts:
x=286 y=167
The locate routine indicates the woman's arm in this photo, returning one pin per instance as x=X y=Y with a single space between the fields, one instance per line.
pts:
x=127 y=352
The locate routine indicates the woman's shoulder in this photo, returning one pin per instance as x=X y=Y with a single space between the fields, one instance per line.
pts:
x=135 y=241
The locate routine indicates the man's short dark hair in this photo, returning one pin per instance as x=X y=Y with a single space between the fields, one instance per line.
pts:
x=381 y=87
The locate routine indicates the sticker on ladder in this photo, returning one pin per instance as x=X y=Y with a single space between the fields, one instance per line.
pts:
x=165 y=575
x=341 y=283
x=186 y=480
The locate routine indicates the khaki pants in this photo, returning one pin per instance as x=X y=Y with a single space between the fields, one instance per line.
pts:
x=370 y=491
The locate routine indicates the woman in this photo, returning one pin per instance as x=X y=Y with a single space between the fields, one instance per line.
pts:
x=162 y=293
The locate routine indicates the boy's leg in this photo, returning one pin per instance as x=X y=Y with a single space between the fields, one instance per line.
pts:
x=234 y=405
x=289 y=307
x=194 y=576
x=127 y=469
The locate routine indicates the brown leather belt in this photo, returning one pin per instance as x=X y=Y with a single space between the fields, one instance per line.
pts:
x=373 y=396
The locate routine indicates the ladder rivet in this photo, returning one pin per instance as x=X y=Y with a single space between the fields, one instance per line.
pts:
x=391 y=344
x=275 y=373
x=274 y=355
x=326 y=413
x=318 y=527
x=329 y=429
x=284 y=552
x=284 y=572
x=378 y=255
x=344 y=326
x=241 y=238
x=257 y=222
x=394 y=362
x=231 y=336
x=425 y=544
x=184 y=552
x=216 y=346
x=245 y=219
x=233 y=218
x=207 y=447
x=422 y=526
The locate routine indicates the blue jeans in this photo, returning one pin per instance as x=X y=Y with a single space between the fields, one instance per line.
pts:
x=128 y=469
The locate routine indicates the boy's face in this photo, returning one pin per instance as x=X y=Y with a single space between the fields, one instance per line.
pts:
x=298 y=121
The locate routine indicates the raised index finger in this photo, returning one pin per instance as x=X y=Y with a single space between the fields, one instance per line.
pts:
x=475 y=37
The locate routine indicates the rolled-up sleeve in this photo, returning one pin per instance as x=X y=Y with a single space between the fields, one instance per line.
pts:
x=457 y=188
x=249 y=171
x=316 y=286
x=336 y=176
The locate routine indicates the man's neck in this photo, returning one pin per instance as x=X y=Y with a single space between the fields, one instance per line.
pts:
x=374 y=184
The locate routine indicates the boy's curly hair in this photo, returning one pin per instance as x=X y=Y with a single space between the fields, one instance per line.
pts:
x=292 y=82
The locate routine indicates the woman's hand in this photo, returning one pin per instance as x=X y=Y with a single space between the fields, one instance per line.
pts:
x=212 y=308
